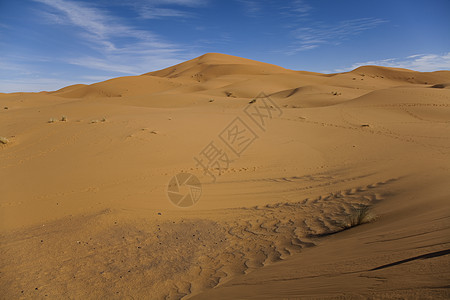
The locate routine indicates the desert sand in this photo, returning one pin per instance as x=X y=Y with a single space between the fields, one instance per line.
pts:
x=85 y=212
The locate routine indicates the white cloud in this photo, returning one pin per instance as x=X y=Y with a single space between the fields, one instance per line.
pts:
x=117 y=49
x=126 y=65
x=120 y=48
x=417 y=62
x=33 y=84
x=251 y=7
x=300 y=6
x=290 y=8
x=99 y=27
x=94 y=78
x=304 y=47
x=157 y=13
x=6 y=66
x=191 y=3
x=83 y=16
x=157 y=9
x=103 y=64
x=313 y=36
x=297 y=8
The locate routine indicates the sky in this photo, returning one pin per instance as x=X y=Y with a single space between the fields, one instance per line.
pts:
x=49 y=44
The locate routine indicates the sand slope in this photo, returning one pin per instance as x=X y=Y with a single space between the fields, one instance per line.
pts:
x=84 y=211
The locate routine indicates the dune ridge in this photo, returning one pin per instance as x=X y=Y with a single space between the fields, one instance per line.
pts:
x=229 y=76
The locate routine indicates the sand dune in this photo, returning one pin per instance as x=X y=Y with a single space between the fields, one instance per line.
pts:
x=212 y=65
x=84 y=207
x=118 y=87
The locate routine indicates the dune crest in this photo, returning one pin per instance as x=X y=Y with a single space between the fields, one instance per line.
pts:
x=226 y=77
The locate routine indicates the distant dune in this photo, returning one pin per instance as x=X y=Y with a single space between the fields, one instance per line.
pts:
x=342 y=192
x=219 y=75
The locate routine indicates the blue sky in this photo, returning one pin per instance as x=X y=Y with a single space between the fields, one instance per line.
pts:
x=49 y=44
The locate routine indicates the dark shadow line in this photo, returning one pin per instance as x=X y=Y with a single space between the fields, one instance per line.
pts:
x=424 y=256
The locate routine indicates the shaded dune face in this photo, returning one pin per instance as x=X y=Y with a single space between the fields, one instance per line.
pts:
x=441 y=86
x=343 y=192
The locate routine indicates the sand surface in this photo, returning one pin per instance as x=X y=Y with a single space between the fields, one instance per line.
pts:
x=85 y=212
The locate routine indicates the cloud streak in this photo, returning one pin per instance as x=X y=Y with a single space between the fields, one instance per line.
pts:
x=158 y=9
x=120 y=48
x=290 y=8
x=297 y=8
x=114 y=48
x=98 y=26
x=417 y=62
x=310 y=37
x=34 y=84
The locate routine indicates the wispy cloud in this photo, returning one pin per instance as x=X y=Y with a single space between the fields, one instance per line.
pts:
x=158 y=13
x=23 y=74
x=417 y=62
x=99 y=27
x=158 y=9
x=296 y=8
x=120 y=48
x=126 y=65
x=191 y=3
x=115 y=48
x=310 y=37
x=300 y=6
x=10 y=66
x=34 y=84
x=291 y=8
x=252 y=7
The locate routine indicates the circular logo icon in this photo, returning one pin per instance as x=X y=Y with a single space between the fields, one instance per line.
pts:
x=184 y=190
